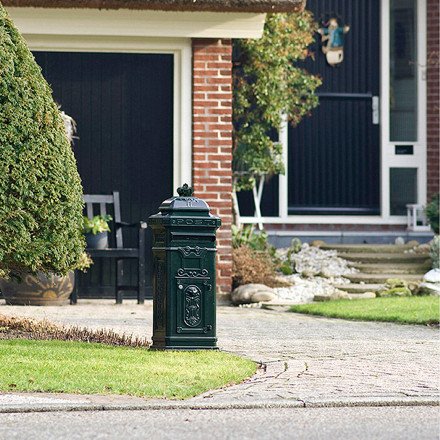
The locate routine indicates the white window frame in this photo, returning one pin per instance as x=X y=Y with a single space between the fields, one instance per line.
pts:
x=388 y=157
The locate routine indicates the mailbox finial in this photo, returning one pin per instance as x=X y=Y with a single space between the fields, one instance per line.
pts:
x=185 y=191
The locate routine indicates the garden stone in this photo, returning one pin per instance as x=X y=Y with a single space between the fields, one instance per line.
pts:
x=393 y=283
x=394 y=287
x=418 y=249
x=412 y=243
x=414 y=287
x=395 y=291
x=337 y=294
x=262 y=296
x=365 y=295
x=431 y=283
x=433 y=276
x=400 y=241
x=252 y=293
x=429 y=289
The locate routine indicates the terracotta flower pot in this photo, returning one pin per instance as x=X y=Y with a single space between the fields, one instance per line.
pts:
x=38 y=290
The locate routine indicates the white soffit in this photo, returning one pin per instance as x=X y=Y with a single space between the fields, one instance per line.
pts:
x=124 y=22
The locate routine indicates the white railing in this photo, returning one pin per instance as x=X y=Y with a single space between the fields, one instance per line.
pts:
x=416 y=218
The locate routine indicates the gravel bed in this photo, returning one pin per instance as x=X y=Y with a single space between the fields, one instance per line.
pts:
x=317 y=272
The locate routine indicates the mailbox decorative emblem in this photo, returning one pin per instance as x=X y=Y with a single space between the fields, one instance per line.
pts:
x=192 y=306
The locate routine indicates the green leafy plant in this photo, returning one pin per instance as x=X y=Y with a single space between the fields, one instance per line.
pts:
x=295 y=245
x=268 y=84
x=247 y=236
x=283 y=262
x=432 y=213
x=84 y=263
x=286 y=268
x=40 y=189
x=97 y=224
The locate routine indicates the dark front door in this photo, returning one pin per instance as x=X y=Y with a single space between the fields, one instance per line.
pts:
x=123 y=107
x=334 y=155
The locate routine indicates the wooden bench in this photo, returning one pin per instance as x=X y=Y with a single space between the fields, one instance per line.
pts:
x=118 y=253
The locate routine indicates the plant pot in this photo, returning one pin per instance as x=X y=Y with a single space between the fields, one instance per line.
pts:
x=97 y=241
x=38 y=290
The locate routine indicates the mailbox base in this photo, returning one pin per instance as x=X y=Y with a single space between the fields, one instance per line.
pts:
x=173 y=343
x=180 y=348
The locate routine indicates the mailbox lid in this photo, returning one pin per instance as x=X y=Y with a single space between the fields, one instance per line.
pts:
x=183 y=206
x=184 y=210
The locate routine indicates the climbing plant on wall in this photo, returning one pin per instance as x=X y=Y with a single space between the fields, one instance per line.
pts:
x=268 y=83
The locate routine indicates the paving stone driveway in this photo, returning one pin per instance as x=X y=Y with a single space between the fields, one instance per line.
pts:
x=306 y=358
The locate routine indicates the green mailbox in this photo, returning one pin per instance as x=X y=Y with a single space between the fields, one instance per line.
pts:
x=184 y=251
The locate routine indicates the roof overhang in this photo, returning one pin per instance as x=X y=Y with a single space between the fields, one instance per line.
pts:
x=255 y=6
x=129 y=23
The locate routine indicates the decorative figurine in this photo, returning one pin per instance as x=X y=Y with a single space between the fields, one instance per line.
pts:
x=332 y=39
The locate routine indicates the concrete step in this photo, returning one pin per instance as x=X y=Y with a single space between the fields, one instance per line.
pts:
x=365 y=295
x=396 y=268
x=378 y=278
x=385 y=257
x=358 y=288
x=367 y=248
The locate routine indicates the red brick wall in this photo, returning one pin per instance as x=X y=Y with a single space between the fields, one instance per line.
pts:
x=433 y=68
x=212 y=141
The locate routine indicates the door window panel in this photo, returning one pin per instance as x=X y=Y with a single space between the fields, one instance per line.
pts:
x=403 y=189
x=403 y=71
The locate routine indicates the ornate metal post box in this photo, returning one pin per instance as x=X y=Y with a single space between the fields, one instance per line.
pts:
x=184 y=250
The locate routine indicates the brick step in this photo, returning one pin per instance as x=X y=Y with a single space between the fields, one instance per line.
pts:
x=367 y=248
x=358 y=288
x=396 y=268
x=378 y=278
x=385 y=257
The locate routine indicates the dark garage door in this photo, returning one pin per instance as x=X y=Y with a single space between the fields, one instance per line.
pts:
x=123 y=107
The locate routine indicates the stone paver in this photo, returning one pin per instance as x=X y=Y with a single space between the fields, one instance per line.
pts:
x=306 y=359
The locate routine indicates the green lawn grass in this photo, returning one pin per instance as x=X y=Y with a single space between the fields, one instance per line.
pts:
x=403 y=310
x=77 y=367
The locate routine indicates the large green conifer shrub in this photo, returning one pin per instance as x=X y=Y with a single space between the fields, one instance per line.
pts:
x=40 y=189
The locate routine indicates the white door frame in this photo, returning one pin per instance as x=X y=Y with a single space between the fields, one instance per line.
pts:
x=388 y=156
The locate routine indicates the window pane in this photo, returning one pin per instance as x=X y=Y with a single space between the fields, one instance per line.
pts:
x=403 y=71
x=403 y=189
